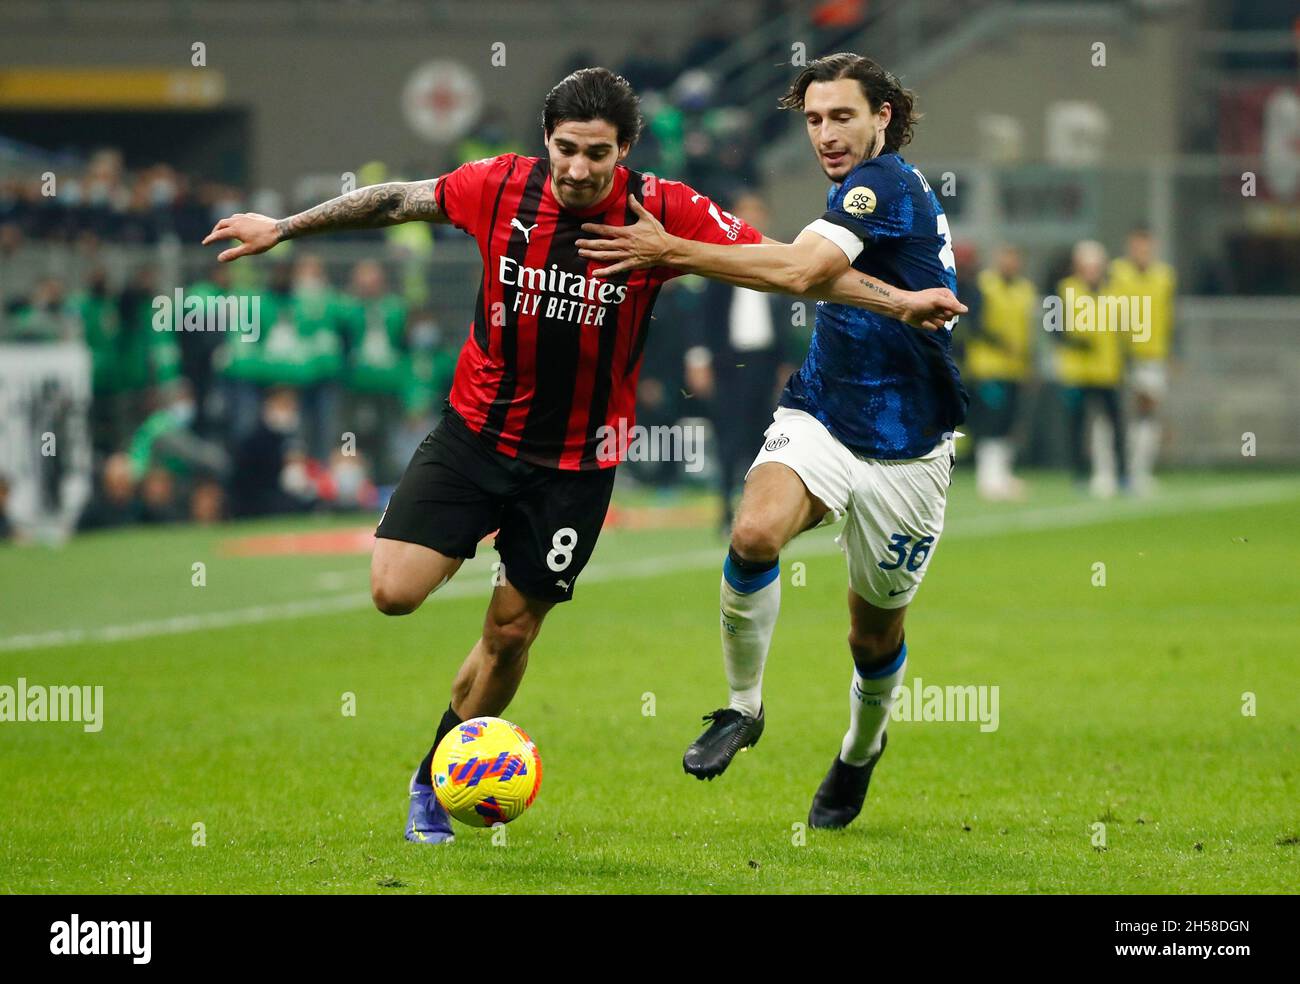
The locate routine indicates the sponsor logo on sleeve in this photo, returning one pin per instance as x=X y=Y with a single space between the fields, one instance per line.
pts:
x=860 y=201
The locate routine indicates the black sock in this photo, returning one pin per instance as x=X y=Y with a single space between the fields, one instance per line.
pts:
x=750 y=567
x=874 y=668
x=424 y=776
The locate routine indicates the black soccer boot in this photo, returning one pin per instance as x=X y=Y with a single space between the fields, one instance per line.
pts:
x=840 y=797
x=731 y=730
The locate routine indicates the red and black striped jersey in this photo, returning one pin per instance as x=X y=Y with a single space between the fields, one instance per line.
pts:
x=554 y=353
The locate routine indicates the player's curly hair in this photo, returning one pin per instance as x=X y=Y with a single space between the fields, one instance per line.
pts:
x=879 y=86
x=594 y=94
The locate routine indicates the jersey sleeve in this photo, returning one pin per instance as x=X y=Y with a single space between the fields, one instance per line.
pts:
x=686 y=213
x=871 y=207
x=460 y=193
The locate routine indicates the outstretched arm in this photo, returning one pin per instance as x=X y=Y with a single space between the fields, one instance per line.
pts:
x=784 y=268
x=930 y=309
x=811 y=267
x=366 y=208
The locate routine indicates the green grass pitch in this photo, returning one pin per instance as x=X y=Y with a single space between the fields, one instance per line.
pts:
x=1120 y=705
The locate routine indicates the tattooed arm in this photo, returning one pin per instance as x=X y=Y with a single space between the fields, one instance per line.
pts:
x=366 y=208
x=930 y=308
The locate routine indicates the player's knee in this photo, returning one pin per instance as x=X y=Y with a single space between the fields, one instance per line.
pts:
x=872 y=649
x=755 y=539
x=391 y=598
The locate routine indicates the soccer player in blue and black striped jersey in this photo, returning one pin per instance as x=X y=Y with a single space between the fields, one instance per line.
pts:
x=864 y=430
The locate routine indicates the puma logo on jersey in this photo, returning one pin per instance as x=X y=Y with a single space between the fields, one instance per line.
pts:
x=527 y=231
x=564 y=585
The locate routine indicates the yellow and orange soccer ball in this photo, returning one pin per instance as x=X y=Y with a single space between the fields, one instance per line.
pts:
x=486 y=771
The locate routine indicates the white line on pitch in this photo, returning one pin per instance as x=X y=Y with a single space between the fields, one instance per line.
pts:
x=473 y=579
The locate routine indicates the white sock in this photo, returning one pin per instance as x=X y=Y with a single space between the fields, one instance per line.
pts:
x=986 y=467
x=870 y=700
x=1144 y=448
x=1003 y=458
x=1102 y=435
x=749 y=604
x=992 y=465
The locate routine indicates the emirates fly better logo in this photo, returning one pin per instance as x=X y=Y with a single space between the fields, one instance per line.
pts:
x=559 y=294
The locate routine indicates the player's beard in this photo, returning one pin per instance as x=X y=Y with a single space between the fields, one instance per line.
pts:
x=593 y=192
x=876 y=140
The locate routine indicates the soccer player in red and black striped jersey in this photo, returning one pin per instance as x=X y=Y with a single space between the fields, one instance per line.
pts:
x=547 y=373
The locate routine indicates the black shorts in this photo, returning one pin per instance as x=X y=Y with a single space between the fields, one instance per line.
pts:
x=457 y=490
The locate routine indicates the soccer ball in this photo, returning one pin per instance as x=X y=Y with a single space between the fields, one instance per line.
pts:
x=486 y=771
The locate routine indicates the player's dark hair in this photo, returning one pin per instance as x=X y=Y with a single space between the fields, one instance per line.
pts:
x=879 y=86
x=594 y=94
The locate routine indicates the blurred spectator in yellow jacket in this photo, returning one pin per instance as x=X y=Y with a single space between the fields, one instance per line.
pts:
x=1140 y=276
x=998 y=354
x=1090 y=368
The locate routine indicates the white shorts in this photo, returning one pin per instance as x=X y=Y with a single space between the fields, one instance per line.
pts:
x=1149 y=377
x=894 y=508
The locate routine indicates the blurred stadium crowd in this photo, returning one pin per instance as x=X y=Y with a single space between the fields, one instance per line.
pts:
x=321 y=408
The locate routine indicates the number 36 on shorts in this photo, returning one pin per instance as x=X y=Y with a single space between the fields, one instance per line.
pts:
x=906 y=551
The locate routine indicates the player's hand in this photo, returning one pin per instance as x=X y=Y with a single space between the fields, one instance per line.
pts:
x=932 y=308
x=256 y=234
x=631 y=247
